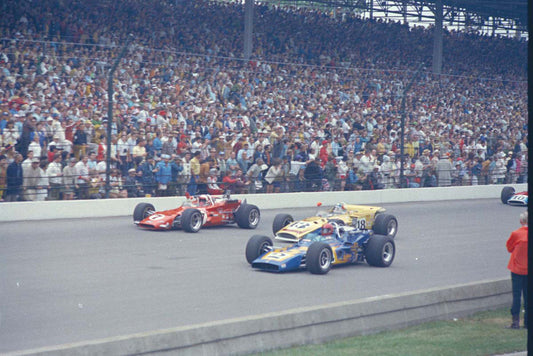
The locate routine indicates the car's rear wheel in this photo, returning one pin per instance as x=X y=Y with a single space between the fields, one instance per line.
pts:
x=319 y=258
x=385 y=224
x=507 y=193
x=142 y=211
x=280 y=221
x=257 y=245
x=247 y=216
x=380 y=251
x=191 y=220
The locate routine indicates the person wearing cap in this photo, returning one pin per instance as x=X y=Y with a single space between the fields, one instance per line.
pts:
x=132 y=184
x=54 y=172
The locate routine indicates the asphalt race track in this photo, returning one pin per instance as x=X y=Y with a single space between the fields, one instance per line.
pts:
x=64 y=281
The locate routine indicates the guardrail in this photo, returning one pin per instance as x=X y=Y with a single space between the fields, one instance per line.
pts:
x=299 y=326
x=70 y=209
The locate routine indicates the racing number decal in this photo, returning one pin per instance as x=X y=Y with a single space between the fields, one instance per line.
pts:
x=276 y=255
x=156 y=216
x=359 y=223
x=300 y=225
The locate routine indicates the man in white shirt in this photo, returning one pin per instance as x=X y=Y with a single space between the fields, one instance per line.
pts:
x=83 y=178
x=54 y=172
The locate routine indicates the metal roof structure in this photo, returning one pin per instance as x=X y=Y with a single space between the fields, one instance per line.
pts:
x=478 y=15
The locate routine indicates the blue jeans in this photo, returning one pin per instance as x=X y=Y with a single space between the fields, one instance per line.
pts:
x=519 y=283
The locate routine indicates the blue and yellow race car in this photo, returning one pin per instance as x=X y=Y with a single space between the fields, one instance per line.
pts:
x=317 y=251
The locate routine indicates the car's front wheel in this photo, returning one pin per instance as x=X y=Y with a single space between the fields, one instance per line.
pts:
x=380 y=251
x=191 y=220
x=248 y=216
x=319 y=258
x=142 y=211
x=507 y=193
x=257 y=246
x=385 y=224
x=280 y=221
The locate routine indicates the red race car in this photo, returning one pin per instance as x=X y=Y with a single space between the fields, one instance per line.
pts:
x=198 y=211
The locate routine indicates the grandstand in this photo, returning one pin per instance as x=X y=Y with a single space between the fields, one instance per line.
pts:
x=311 y=74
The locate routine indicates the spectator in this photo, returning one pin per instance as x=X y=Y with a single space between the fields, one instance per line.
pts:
x=43 y=182
x=273 y=176
x=163 y=175
x=3 y=176
x=192 y=188
x=147 y=171
x=235 y=183
x=132 y=184
x=54 y=173
x=116 y=184
x=518 y=265
x=32 y=180
x=255 y=176
x=212 y=183
x=69 y=179
x=313 y=175
x=444 y=171
x=82 y=177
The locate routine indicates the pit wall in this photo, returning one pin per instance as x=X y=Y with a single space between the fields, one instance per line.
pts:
x=72 y=209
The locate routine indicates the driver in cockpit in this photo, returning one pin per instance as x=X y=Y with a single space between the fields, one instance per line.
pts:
x=338 y=208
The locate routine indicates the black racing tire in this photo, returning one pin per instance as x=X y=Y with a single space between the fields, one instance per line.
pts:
x=247 y=216
x=280 y=221
x=507 y=192
x=385 y=224
x=191 y=220
x=319 y=258
x=142 y=211
x=380 y=251
x=256 y=246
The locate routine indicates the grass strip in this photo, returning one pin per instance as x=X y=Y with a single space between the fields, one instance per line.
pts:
x=481 y=334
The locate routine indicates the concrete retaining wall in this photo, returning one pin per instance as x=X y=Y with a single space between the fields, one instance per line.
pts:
x=300 y=326
x=122 y=207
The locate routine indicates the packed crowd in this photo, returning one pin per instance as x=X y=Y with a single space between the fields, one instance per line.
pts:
x=317 y=107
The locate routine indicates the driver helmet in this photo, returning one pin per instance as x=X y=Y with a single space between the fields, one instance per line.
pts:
x=338 y=208
x=327 y=229
x=202 y=200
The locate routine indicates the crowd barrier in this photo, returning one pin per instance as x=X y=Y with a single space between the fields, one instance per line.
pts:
x=300 y=326
x=70 y=209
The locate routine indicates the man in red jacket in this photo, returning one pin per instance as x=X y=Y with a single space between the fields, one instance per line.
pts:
x=517 y=246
